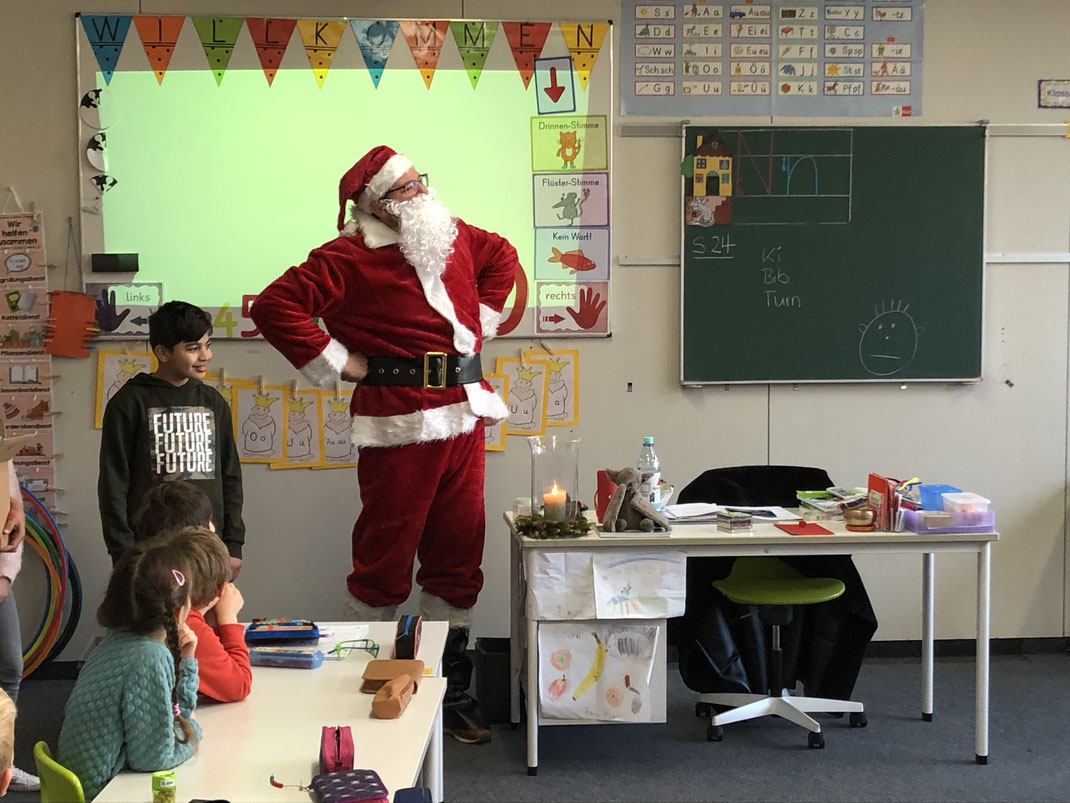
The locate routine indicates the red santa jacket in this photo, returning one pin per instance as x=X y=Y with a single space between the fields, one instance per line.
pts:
x=373 y=302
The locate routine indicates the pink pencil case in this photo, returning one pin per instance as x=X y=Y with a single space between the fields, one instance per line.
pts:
x=336 y=748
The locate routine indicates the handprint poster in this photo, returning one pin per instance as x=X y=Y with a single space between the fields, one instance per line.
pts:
x=596 y=670
x=123 y=310
x=115 y=369
x=562 y=384
x=527 y=395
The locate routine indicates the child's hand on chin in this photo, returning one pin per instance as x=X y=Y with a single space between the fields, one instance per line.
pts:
x=187 y=641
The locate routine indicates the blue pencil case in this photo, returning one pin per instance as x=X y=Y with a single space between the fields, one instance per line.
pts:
x=282 y=631
x=286 y=657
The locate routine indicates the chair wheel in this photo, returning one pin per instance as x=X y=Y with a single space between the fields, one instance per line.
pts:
x=816 y=741
x=858 y=719
x=703 y=710
x=714 y=733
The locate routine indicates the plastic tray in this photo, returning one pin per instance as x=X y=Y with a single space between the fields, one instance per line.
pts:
x=913 y=520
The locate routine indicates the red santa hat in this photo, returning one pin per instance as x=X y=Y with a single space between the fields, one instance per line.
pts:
x=367 y=180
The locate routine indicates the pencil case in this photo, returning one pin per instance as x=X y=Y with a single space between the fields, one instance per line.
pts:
x=282 y=631
x=336 y=748
x=350 y=786
x=377 y=673
x=393 y=697
x=407 y=638
x=412 y=794
x=286 y=657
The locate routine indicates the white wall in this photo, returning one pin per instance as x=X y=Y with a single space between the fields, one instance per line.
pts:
x=1005 y=437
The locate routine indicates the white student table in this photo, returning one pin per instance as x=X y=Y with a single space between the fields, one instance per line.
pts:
x=704 y=540
x=276 y=731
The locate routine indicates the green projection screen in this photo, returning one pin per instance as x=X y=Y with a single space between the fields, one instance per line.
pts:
x=219 y=187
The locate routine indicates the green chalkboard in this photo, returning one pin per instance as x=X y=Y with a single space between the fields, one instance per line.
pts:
x=832 y=254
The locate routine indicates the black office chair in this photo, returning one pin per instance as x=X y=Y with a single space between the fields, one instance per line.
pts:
x=764 y=589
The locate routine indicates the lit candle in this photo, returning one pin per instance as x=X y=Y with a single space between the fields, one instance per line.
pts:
x=554 y=503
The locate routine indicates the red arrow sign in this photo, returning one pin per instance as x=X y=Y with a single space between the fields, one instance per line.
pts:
x=554 y=90
x=555 y=318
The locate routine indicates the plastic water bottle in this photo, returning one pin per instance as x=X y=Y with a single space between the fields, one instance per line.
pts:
x=648 y=463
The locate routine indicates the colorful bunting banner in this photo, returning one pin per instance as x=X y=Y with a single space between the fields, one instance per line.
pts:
x=583 y=40
x=473 y=42
x=526 y=40
x=270 y=38
x=218 y=35
x=158 y=37
x=425 y=38
x=106 y=34
x=321 y=38
x=375 y=38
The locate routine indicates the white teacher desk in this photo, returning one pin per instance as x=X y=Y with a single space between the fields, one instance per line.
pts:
x=702 y=540
x=276 y=731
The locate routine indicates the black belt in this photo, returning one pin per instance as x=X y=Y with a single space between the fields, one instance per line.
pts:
x=434 y=370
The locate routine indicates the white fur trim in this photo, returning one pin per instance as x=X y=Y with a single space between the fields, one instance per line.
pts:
x=323 y=370
x=376 y=233
x=486 y=403
x=439 y=300
x=395 y=168
x=355 y=610
x=436 y=609
x=489 y=319
x=422 y=426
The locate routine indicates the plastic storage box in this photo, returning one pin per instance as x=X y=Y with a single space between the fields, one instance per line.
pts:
x=932 y=496
x=966 y=508
x=935 y=521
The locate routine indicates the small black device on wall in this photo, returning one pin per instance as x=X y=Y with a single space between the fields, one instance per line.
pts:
x=114 y=263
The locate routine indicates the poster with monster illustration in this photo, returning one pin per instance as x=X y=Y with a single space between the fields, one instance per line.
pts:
x=596 y=670
x=527 y=395
x=338 y=448
x=494 y=434
x=562 y=384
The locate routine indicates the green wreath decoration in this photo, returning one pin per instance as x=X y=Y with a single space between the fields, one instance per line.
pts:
x=542 y=527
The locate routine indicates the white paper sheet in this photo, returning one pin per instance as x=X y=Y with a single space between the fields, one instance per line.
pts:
x=645 y=585
x=559 y=585
x=596 y=671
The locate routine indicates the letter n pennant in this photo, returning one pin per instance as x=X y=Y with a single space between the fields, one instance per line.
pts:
x=106 y=34
x=526 y=40
x=425 y=38
x=158 y=37
x=583 y=40
x=321 y=38
x=218 y=35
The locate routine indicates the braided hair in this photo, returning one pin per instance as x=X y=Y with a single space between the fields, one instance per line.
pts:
x=142 y=597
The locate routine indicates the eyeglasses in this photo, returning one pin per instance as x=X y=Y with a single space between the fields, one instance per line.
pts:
x=407 y=187
x=365 y=644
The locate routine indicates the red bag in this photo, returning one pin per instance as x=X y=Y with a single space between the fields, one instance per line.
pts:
x=336 y=748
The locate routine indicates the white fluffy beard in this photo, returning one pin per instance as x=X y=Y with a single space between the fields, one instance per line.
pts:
x=426 y=231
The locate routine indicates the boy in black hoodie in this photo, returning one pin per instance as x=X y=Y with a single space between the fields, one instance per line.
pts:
x=169 y=425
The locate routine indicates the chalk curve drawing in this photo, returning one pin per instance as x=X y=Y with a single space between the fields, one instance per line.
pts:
x=890 y=340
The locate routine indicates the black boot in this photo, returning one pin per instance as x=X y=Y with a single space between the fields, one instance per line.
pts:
x=459 y=715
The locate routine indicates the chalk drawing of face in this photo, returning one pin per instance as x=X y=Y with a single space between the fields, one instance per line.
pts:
x=889 y=341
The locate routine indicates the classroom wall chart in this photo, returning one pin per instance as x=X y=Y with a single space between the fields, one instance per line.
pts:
x=791 y=58
x=213 y=148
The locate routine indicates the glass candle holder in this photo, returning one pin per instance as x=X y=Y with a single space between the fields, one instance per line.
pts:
x=555 y=477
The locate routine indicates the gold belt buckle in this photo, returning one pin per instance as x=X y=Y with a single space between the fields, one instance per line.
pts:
x=442 y=372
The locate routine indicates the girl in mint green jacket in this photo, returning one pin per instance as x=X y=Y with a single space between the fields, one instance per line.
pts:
x=132 y=704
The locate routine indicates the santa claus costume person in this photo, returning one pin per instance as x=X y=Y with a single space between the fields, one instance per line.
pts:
x=408 y=294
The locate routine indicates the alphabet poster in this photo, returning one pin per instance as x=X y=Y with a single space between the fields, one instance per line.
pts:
x=115 y=369
x=260 y=422
x=562 y=385
x=304 y=446
x=527 y=396
x=494 y=434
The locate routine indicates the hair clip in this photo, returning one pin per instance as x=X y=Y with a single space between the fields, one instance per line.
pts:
x=278 y=785
x=179 y=577
x=178 y=711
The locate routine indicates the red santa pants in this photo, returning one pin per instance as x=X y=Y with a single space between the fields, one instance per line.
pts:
x=425 y=500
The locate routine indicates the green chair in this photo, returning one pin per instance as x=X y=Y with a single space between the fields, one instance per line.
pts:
x=774 y=587
x=58 y=784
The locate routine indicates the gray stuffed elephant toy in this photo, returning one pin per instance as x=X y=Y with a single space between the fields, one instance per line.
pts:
x=628 y=510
